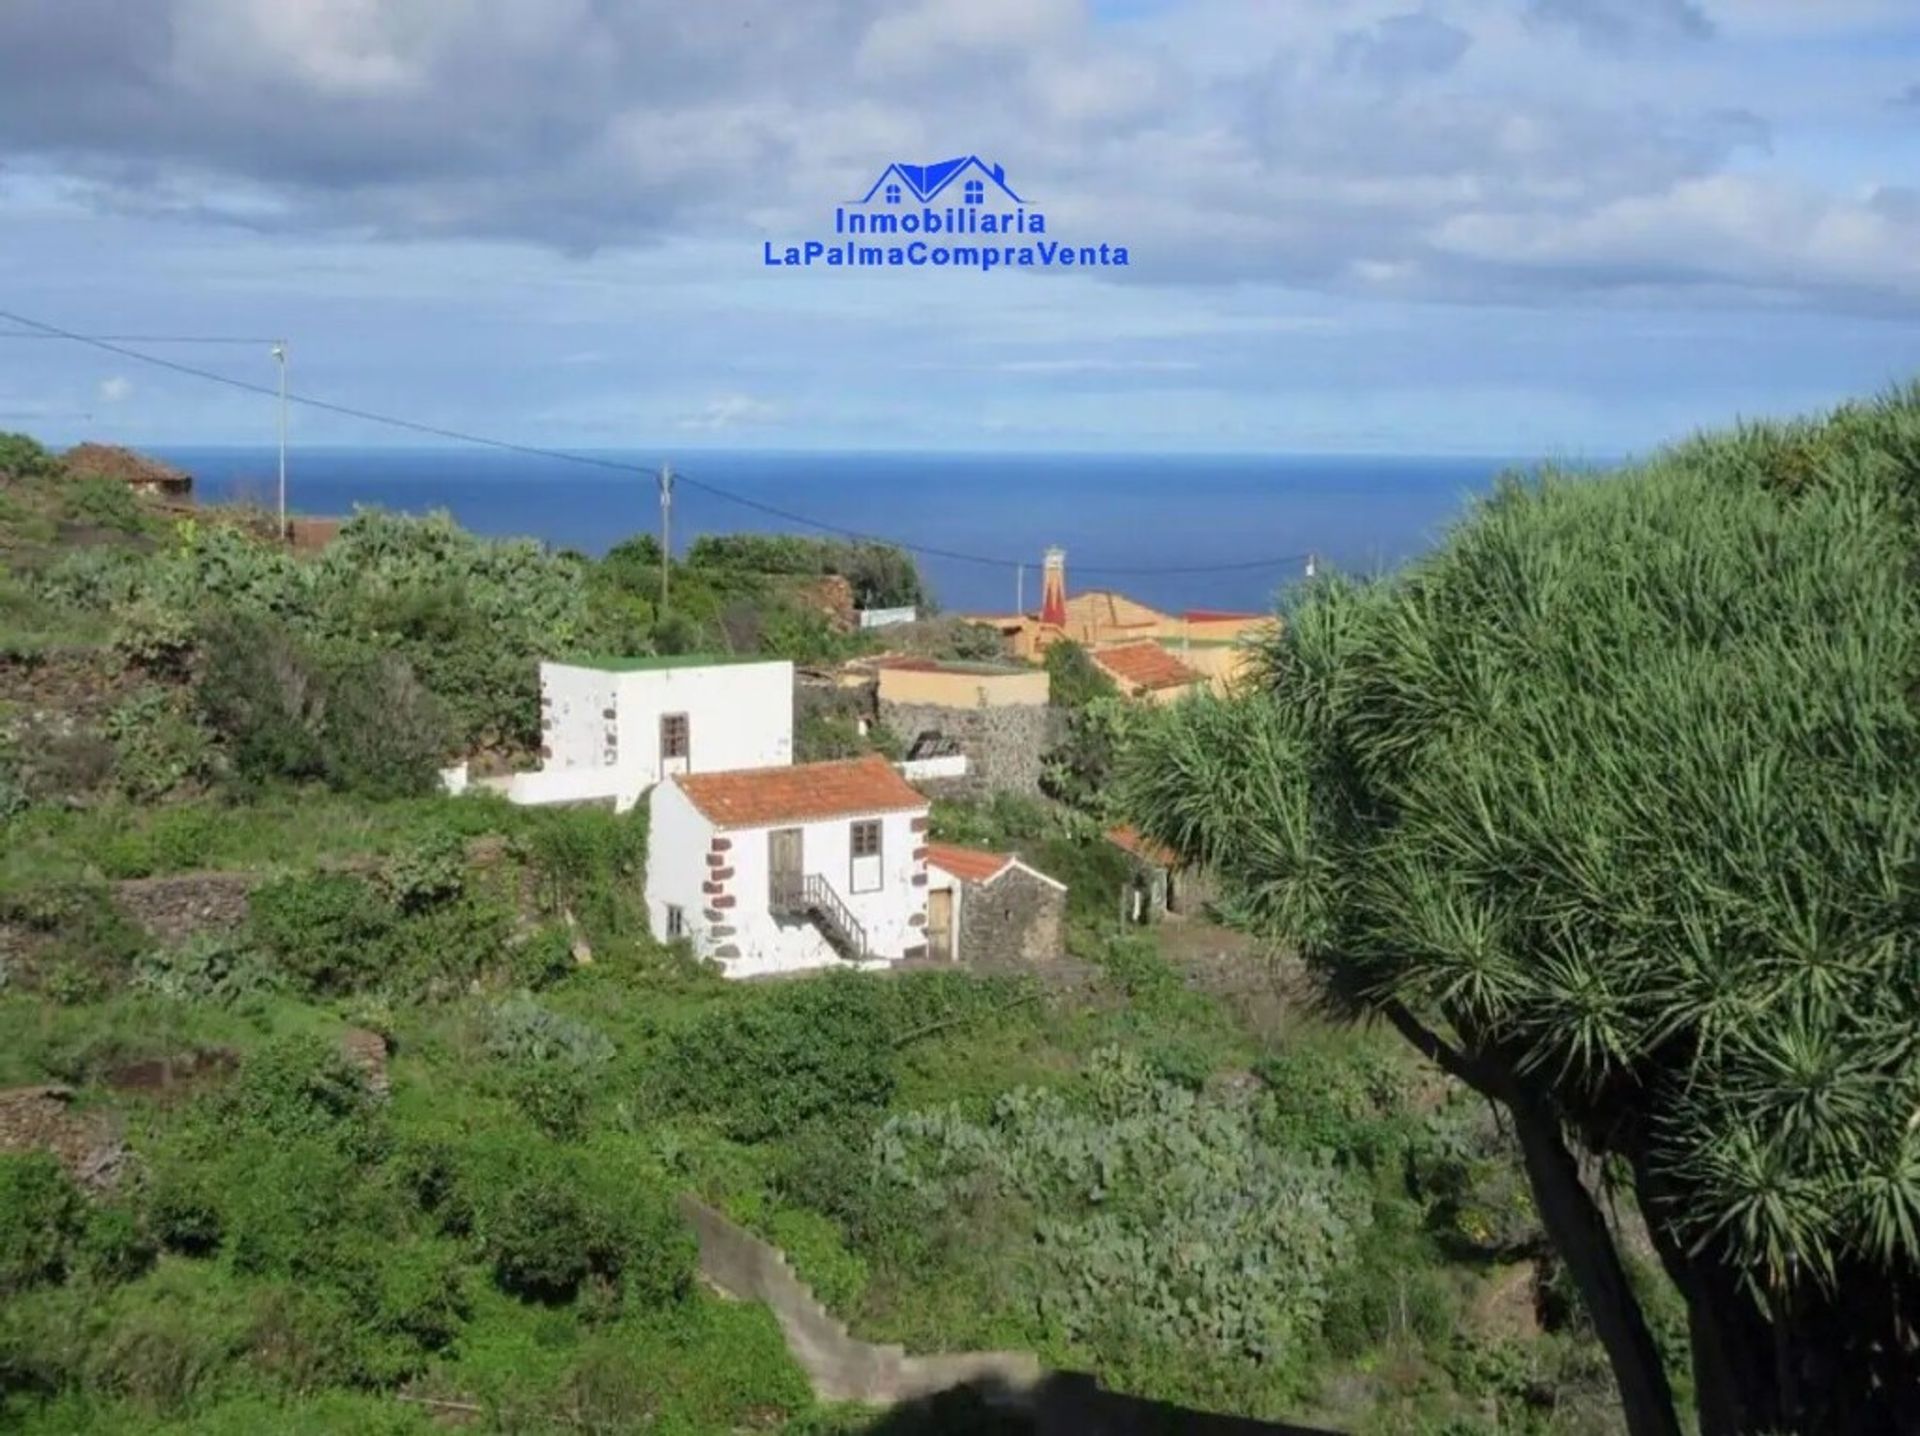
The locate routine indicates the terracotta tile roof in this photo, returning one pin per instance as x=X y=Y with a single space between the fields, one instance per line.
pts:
x=756 y=797
x=970 y=865
x=1145 y=666
x=1217 y=615
x=1141 y=846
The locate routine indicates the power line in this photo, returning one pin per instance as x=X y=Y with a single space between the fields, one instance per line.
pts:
x=113 y=346
x=147 y=338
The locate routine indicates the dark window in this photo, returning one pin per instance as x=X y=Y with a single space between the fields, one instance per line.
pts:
x=866 y=839
x=674 y=736
x=933 y=744
x=893 y=194
x=976 y=191
x=676 y=923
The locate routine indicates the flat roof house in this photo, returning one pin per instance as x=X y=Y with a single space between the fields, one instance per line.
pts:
x=781 y=869
x=613 y=727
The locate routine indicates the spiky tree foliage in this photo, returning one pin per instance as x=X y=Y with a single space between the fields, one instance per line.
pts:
x=1612 y=806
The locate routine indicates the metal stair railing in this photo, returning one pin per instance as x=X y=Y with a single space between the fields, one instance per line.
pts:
x=812 y=896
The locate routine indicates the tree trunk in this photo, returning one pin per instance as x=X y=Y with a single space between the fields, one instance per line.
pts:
x=1580 y=1234
x=1574 y=1224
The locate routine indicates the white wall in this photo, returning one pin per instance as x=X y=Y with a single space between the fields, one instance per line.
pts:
x=573 y=722
x=678 y=835
x=680 y=838
x=954 y=765
x=740 y=715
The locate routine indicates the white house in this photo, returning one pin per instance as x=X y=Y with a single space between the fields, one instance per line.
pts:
x=613 y=728
x=785 y=868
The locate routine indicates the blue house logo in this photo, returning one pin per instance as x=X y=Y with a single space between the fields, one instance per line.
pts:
x=925 y=182
x=936 y=215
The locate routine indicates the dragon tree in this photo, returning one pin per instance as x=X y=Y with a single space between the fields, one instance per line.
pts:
x=1611 y=806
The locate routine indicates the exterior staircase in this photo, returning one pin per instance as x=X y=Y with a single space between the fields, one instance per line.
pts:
x=812 y=898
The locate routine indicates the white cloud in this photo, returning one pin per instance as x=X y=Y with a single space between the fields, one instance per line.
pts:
x=731 y=411
x=115 y=389
x=1453 y=149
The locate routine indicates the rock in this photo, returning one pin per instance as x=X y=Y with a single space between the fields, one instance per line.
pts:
x=368 y=1051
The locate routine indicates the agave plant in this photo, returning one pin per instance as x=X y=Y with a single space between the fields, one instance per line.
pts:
x=1612 y=807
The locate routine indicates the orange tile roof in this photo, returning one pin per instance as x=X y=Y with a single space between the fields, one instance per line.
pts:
x=970 y=865
x=1145 y=666
x=1134 y=841
x=1217 y=615
x=756 y=797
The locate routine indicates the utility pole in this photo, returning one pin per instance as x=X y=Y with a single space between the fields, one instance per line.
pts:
x=666 y=530
x=280 y=357
x=1020 y=588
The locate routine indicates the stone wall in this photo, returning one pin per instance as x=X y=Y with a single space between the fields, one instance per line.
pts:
x=840 y=1366
x=1016 y=919
x=175 y=908
x=1005 y=746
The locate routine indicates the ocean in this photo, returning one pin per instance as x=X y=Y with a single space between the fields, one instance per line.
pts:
x=1237 y=523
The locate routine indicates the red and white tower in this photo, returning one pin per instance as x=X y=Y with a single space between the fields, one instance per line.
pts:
x=1053 y=589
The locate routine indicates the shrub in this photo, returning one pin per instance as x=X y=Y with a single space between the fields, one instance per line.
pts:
x=22 y=457
x=520 y=1030
x=543 y=957
x=324 y=930
x=1158 y=1219
x=114 y=1246
x=106 y=502
x=385 y=734
x=1073 y=679
x=260 y=691
x=553 y=1063
x=207 y=967
x=783 y=1056
x=299 y=1086
x=427 y=874
x=591 y=863
x=182 y=1211
x=543 y=1239
x=157 y=746
x=154 y=637
x=358 y=719
x=41 y=1217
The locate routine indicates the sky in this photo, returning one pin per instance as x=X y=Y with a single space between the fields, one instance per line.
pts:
x=1560 y=228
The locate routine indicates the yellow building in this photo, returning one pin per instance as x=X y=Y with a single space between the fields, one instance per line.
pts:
x=951 y=684
x=1215 y=643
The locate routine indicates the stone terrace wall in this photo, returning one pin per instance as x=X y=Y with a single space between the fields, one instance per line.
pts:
x=1005 y=746
x=175 y=908
x=840 y=1366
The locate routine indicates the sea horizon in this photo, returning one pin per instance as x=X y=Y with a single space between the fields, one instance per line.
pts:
x=1238 y=525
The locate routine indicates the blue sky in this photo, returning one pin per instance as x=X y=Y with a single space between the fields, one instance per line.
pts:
x=1564 y=227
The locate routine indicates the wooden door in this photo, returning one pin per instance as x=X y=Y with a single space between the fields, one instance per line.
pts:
x=786 y=863
x=940 y=923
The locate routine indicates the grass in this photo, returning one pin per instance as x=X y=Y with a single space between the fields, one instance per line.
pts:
x=280 y=830
x=701 y=1365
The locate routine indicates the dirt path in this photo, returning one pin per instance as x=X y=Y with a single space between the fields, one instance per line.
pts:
x=1267 y=989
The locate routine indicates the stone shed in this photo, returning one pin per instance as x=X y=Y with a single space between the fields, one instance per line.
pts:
x=989 y=909
x=997 y=715
x=1159 y=884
